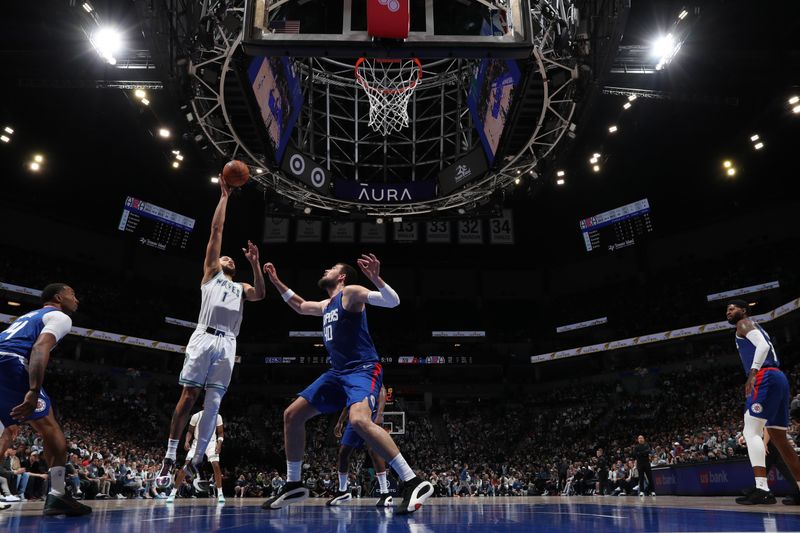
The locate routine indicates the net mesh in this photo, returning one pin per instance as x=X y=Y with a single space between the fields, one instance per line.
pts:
x=389 y=84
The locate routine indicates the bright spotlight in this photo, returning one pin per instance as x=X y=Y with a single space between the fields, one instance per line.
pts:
x=517 y=181
x=593 y=160
x=731 y=171
x=560 y=181
x=175 y=164
x=87 y=7
x=596 y=168
x=8 y=130
x=307 y=210
x=145 y=101
x=596 y=155
x=164 y=132
x=612 y=129
x=631 y=98
x=461 y=211
x=754 y=138
x=34 y=166
x=727 y=164
x=796 y=109
x=665 y=49
x=379 y=221
x=627 y=105
x=794 y=99
x=259 y=170
x=758 y=146
x=683 y=14
x=107 y=42
x=38 y=158
x=179 y=157
x=214 y=179
x=139 y=93
x=5 y=138
x=560 y=173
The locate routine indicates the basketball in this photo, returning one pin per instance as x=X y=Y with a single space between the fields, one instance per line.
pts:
x=235 y=173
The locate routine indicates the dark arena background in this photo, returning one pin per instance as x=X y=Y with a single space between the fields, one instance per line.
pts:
x=564 y=194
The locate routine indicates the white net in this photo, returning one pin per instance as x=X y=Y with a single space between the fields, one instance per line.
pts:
x=389 y=84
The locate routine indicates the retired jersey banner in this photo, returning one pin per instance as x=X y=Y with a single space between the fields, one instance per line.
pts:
x=276 y=230
x=342 y=231
x=309 y=230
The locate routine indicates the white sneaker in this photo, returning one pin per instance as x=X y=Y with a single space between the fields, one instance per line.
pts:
x=220 y=497
x=171 y=497
x=120 y=496
x=11 y=498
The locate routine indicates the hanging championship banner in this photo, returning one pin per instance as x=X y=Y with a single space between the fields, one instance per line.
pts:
x=373 y=233
x=342 y=231
x=276 y=230
x=309 y=231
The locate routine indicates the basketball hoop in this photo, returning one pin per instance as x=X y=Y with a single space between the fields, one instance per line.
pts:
x=389 y=84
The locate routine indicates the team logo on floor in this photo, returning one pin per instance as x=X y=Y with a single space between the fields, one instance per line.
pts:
x=40 y=406
x=756 y=408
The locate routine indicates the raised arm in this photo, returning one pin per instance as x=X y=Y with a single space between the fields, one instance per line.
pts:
x=356 y=296
x=257 y=291
x=211 y=264
x=297 y=303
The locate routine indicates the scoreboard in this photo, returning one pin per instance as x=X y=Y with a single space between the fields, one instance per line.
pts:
x=155 y=226
x=617 y=228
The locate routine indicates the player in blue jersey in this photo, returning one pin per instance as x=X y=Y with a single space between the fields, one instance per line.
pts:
x=767 y=401
x=24 y=353
x=350 y=441
x=354 y=380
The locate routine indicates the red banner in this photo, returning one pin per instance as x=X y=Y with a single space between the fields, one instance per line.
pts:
x=388 y=19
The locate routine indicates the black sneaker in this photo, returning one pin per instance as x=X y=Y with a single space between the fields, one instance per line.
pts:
x=415 y=492
x=385 y=501
x=748 y=492
x=291 y=493
x=340 y=498
x=193 y=475
x=791 y=500
x=66 y=505
x=757 y=497
x=164 y=477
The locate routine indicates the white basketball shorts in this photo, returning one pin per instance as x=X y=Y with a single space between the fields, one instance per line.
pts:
x=209 y=361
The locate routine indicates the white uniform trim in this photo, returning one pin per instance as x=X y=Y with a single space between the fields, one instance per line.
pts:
x=57 y=323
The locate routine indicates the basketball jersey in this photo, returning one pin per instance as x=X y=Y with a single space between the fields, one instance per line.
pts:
x=221 y=304
x=21 y=335
x=196 y=420
x=747 y=351
x=346 y=336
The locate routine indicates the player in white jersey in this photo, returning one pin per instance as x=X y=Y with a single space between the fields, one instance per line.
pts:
x=212 y=348
x=212 y=453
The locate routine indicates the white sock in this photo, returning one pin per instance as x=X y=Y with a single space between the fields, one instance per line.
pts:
x=172 y=449
x=56 y=474
x=401 y=467
x=761 y=483
x=342 y=482
x=173 y=492
x=294 y=470
x=383 y=483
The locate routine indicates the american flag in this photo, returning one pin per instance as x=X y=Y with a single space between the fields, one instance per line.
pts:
x=285 y=26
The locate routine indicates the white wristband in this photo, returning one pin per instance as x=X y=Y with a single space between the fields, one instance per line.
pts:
x=220 y=439
x=287 y=295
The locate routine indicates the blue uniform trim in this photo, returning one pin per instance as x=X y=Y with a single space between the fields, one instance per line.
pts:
x=747 y=352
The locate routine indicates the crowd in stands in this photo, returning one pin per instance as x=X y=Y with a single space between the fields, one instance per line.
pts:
x=546 y=445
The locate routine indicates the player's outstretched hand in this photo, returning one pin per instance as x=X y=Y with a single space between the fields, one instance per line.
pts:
x=370 y=266
x=251 y=253
x=25 y=409
x=269 y=270
x=187 y=446
x=225 y=189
